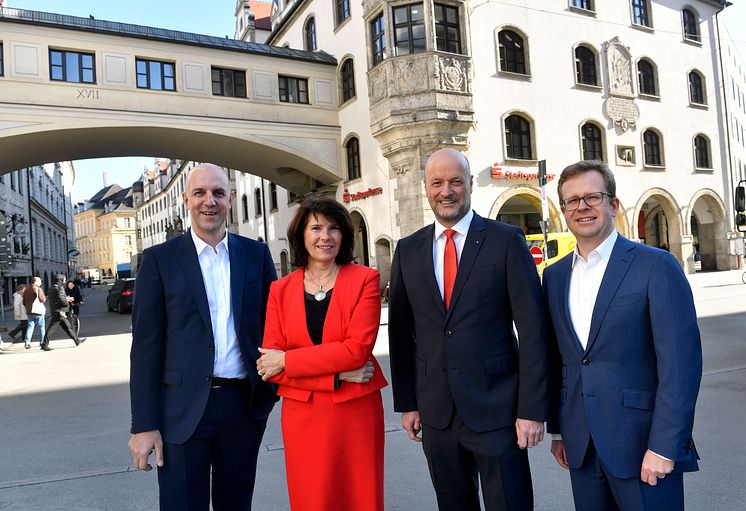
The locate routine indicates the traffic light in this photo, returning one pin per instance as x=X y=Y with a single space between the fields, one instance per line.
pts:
x=4 y=241
x=740 y=206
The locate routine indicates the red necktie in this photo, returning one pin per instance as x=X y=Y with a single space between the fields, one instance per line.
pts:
x=450 y=265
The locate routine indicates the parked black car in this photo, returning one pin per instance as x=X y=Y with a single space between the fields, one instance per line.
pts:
x=121 y=295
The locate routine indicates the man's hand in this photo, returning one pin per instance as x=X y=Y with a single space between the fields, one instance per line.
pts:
x=271 y=362
x=559 y=453
x=654 y=467
x=362 y=375
x=529 y=432
x=410 y=421
x=142 y=444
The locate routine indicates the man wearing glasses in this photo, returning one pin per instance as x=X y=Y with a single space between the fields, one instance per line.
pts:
x=631 y=360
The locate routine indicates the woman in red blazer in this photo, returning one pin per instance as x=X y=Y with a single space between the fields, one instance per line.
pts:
x=322 y=322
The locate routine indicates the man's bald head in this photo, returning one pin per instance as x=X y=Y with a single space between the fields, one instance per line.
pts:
x=451 y=158
x=209 y=168
x=448 y=185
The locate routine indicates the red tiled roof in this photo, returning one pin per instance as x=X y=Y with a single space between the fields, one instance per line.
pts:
x=262 y=11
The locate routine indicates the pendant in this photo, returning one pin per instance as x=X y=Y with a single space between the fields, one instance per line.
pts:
x=320 y=296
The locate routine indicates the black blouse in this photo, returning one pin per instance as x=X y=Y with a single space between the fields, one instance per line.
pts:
x=316 y=315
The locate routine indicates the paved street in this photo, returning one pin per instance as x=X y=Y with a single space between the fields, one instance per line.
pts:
x=64 y=419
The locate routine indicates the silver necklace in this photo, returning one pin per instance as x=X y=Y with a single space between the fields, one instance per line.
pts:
x=320 y=295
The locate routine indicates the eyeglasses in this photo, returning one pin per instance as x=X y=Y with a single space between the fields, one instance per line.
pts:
x=591 y=199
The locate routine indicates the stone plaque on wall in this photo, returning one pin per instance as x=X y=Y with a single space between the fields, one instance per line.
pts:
x=625 y=155
x=620 y=106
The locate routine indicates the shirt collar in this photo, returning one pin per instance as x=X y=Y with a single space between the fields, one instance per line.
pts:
x=603 y=250
x=200 y=245
x=461 y=227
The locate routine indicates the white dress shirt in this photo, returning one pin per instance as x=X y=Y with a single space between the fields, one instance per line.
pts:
x=584 y=284
x=216 y=275
x=439 y=244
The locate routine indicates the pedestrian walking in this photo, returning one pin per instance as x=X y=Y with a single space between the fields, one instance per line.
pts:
x=33 y=302
x=59 y=303
x=19 y=314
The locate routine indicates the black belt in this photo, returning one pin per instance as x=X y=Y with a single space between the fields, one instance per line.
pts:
x=218 y=382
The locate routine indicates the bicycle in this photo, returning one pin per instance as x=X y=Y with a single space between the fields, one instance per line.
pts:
x=74 y=318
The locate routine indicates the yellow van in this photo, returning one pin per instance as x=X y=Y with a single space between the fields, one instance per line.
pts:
x=559 y=244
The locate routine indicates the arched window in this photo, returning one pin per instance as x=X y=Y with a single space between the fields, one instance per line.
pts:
x=646 y=77
x=697 y=88
x=518 y=138
x=309 y=34
x=512 y=52
x=347 y=79
x=651 y=143
x=257 y=202
x=352 y=148
x=690 y=25
x=702 y=152
x=272 y=197
x=585 y=66
x=590 y=136
x=245 y=207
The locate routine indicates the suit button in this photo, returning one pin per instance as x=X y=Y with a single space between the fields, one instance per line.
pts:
x=449 y=333
x=208 y=377
x=586 y=362
x=212 y=347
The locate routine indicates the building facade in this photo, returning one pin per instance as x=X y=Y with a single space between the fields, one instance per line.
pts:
x=633 y=83
x=105 y=227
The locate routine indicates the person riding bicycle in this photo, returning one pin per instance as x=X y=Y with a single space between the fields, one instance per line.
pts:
x=72 y=290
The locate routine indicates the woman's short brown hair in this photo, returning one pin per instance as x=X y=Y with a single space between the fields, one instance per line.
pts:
x=336 y=213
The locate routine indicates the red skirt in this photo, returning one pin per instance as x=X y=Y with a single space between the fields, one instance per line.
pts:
x=334 y=452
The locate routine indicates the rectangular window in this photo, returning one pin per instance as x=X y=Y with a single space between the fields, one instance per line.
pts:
x=155 y=75
x=409 y=29
x=586 y=5
x=72 y=66
x=342 y=10
x=2 y=68
x=378 y=39
x=640 y=13
x=228 y=82
x=447 y=29
x=293 y=90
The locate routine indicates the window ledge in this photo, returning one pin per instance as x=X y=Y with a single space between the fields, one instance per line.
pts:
x=693 y=42
x=520 y=162
x=582 y=11
x=348 y=102
x=704 y=170
x=644 y=28
x=514 y=76
x=699 y=106
x=654 y=168
x=342 y=23
x=589 y=87
x=650 y=97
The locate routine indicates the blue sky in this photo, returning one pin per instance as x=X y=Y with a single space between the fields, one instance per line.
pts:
x=211 y=17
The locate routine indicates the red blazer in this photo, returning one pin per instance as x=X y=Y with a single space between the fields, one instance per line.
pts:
x=350 y=331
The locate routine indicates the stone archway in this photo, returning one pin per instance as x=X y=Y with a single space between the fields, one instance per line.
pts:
x=657 y=222
x=521 y=206
x=284 y=266
x=706 y=215
x=360 y=230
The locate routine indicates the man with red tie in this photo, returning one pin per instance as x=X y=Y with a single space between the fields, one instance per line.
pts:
x=458 y=373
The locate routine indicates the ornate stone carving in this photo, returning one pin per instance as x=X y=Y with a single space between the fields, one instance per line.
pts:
x=452 y=74
x=619 y=67
x=620 y=106
x=377 y=84
x=622 y=111
x=625 y=155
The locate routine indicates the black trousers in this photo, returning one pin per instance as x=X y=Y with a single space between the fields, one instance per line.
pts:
x=219 y=458
x=595 y=489
x=59 y=319
x=21 y=327
x=458 y=458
